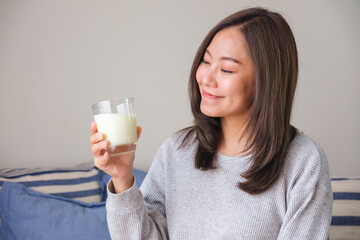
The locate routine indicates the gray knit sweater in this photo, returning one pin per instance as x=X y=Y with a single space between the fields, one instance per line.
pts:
x=178 y=201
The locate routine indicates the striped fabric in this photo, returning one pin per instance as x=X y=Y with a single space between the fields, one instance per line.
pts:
x=83 y=183
x=345 y=222
x=80 y=183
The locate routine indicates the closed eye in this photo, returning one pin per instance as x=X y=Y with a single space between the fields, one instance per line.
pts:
x=205 y=62
x=226 y=71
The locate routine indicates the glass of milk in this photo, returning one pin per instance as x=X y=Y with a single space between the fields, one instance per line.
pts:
x=117 y=120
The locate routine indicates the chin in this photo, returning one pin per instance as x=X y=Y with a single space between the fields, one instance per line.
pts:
x=208 y=112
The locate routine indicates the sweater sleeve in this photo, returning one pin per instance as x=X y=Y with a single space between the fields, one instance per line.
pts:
x=136 y=214
x=309 y=205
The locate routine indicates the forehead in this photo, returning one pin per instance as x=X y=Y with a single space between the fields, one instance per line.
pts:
x=228 y=41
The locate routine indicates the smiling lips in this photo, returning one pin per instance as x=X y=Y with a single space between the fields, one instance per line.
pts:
x=209 y=96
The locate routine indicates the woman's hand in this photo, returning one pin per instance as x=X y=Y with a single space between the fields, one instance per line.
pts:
x=119 y=167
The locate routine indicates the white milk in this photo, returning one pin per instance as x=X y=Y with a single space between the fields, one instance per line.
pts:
x=119 y=129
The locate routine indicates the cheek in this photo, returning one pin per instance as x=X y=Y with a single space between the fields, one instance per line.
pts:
x=248 y=92
x=239 y=90
x=250 y=87
x=199 y=74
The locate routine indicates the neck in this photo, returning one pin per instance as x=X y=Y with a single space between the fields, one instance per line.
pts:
x=233 y=141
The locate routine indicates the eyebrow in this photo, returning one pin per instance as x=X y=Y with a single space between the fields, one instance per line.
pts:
x=225 y=58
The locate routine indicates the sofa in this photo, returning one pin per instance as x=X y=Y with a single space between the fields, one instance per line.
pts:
x=345 y=223
x=69 y=203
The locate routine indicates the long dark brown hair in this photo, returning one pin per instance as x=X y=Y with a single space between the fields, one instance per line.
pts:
x=272 y=49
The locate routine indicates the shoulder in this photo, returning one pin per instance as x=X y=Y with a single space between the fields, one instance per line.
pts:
x=303 y=147
x=306 y=163
x=180 y=139
x=182 y=142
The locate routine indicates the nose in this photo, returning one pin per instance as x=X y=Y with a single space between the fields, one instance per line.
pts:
x=209 y=77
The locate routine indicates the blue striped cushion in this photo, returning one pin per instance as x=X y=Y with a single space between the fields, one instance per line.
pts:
x=84 y=182
x=345 y=222
x=81 y=182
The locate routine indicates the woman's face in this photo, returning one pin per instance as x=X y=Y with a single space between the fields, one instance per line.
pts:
x=226 y=76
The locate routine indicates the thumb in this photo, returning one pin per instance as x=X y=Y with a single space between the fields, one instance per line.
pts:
x=138 y=131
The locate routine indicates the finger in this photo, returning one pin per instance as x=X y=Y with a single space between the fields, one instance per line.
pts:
x=97 y=137
x=98 y=149
x=102 y=162
x=93 y=128
x=138 y=131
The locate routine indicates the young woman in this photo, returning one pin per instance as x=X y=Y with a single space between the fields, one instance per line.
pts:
x=242 y=171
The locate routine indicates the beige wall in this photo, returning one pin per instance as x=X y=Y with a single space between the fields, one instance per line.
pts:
x=57 y=58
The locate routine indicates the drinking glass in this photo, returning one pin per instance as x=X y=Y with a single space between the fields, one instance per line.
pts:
x=117 y=120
